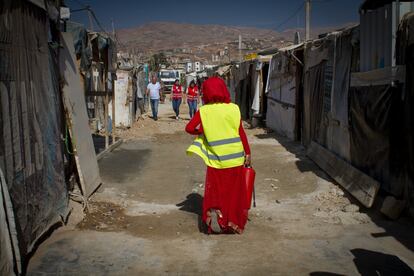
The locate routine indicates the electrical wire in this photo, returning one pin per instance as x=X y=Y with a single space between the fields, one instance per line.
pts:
x=285 y=21
x=95 y=18
x=298 y=10
x=295 y=13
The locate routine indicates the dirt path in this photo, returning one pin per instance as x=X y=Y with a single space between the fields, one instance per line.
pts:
x=145 y=219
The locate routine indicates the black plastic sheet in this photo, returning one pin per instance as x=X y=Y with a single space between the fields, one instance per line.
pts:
x=378 y=144
x=405 y=55
x=313 y=99
x=370 y=111
x=31 y=116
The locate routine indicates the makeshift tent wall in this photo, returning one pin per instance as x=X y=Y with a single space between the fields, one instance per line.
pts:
x=124 y=99
x=382 y=120
x=96 y=55
x=315 y=56
x=31 y=152
x=282 y=93
x=328 y=65
x=371 y=123
x=243 y=78
x=405 y=55
x=9 y=247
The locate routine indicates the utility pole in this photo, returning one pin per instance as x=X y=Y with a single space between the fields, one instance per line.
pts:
x=240 y=47
x=90 y=18
x=113 y=74
x=308 y=19
x=113 y=29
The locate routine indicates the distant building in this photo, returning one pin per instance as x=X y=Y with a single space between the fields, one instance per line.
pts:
x=198 y=66
x=189 y=67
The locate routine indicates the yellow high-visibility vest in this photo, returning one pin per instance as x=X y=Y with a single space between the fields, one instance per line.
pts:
x=220 y=146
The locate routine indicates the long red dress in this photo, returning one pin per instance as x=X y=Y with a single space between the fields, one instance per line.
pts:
x=224 y=189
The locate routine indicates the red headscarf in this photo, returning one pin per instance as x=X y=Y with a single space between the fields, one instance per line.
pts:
x=215 y=91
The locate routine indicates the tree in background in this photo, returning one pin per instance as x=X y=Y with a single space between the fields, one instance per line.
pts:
x=157 y=60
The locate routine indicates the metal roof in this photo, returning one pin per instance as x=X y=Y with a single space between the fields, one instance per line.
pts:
x=269 y=51
x=291 y=47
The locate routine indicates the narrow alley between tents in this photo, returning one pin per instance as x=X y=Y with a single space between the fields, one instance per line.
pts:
x=146 y=218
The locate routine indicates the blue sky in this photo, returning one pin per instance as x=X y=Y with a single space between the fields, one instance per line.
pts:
x=253 y=13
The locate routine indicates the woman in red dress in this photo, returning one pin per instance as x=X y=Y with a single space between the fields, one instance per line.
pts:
x=224 y=205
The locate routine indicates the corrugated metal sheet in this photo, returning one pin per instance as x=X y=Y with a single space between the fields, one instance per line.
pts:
x=378 y=28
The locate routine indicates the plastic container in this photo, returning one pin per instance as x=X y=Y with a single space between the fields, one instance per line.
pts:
x=249 y=176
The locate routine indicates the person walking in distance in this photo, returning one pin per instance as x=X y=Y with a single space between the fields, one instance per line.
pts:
x=155 y=92
x=192 y=98
x=176 y=98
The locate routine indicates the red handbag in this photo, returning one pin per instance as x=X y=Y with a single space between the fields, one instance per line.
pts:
x=249 y=176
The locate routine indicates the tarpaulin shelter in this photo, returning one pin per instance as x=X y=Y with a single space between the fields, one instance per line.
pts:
x=246 y=83
x=284 y=91
x=244 y=80
x=381 y=116
x=361 y=122
x=240 y=80
x=328 y=64
x=374 y=107
x=405 y=56
x=97 y=62
x=31 y=127
x=258 y=89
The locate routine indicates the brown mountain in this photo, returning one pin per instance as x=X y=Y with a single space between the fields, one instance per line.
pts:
x=167 y=35
x=203 y=40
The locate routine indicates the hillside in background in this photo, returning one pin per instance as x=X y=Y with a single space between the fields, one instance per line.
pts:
x=201 y=40
x=167 y=35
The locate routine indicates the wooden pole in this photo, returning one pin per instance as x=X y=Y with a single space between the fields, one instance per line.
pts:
x=106 y=104
x=113 y=110
x=113 y=87
x=308 y=19
x=90 y=19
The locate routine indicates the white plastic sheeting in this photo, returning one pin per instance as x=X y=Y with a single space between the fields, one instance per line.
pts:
x=281 y=95
x=256 y=99
x=281 y=119
x=123 y=104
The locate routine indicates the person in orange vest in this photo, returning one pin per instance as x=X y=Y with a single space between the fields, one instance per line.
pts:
x=222 y=143
x=192 y=98
x=176 y=98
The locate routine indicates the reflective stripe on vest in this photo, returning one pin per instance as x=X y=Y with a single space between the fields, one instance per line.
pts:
x=216 y=157
x=220 y=146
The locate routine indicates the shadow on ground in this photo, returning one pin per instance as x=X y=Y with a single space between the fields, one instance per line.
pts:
x=375 y=263
x=401 y=230
x=194 y=204
x=322 y=273
x=122 y=164
x=99 y=142
x=304 y=164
